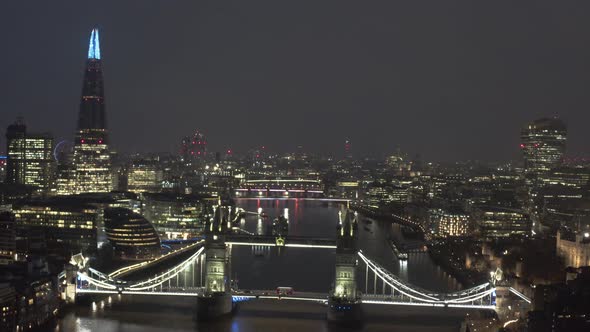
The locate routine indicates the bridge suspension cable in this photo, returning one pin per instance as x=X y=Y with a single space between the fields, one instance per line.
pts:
x=106 y=283
x=151 y=283
x=416 y=294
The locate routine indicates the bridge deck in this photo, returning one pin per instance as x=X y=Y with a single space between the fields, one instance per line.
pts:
x=290 y=241
x=243 y=295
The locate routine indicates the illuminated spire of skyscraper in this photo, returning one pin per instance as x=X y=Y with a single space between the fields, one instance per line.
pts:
x=94 y=45
x=91 y=149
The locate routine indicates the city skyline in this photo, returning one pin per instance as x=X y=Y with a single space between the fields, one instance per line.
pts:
x=268 y=165
x=222 y=68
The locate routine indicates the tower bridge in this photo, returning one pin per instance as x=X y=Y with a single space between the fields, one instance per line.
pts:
x=216 y=295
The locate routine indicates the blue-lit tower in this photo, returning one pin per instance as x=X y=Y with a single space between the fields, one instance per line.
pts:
x=92 y=160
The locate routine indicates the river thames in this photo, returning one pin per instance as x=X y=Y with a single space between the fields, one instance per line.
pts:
x=304 y=269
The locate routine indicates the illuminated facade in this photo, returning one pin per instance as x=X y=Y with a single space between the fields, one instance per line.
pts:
x=30 y=159
x=92 y=161
x=543 y=144
x=68 y=226
x=177 y=216
x=572 y=177
x=346 y=261
x=573 y=248
x=144 y=176
x=449 y=223
x=498 y=222
x=133 y=237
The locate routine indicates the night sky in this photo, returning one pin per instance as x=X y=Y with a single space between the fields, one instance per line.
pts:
x=446 y=79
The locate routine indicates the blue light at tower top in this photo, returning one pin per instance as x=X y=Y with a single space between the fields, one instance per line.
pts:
x=94 y=46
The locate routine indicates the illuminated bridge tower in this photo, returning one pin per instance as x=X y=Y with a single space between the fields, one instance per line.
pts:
x=216 y=300
x=92 y=160
x=344 y=304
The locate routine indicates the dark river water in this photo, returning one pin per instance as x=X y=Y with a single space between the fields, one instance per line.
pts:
x=304 y=269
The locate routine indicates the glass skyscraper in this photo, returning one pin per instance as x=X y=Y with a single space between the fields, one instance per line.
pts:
x=92 y=161
x=543 y=144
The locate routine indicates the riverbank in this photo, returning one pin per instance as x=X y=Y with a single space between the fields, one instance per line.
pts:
x=416 y=227
x=449 y=257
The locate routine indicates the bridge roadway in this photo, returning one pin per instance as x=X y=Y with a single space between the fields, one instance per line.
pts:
x=149 y=263
x=200 y=291
x=270 y=294
x=271 y=241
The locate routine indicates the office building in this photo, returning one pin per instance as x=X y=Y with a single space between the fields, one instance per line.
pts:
x=193 y=148
x=68 y=225
x=449 y=222
x=30 y=157
x=177 y=216
x=144 y=176
x=543 y=144
x=500 y=222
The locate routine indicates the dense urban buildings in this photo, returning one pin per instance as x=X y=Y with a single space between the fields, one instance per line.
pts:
x=75 y=214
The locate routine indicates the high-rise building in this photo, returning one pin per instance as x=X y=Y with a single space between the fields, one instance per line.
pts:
x=193 y=147
x=92 y=161
x=543 y=144
x=347 y=149
x=30 y=159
